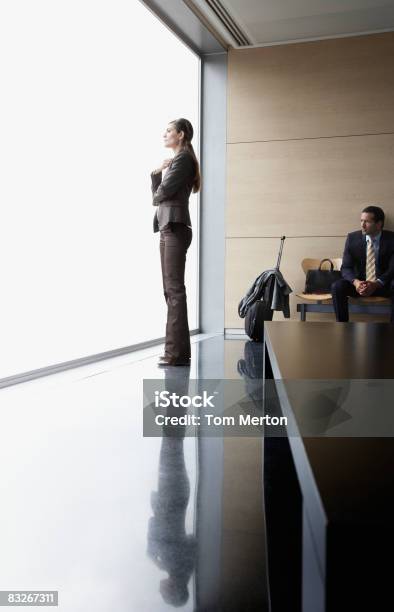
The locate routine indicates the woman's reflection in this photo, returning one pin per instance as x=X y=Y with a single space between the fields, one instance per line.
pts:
x=168 y=544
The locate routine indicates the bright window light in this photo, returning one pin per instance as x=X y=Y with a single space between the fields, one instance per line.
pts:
x=88 y=88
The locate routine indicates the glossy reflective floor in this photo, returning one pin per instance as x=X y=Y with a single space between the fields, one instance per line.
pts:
x=118 y=522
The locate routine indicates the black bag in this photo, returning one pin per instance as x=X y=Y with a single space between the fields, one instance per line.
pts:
x=259 y=312
x=320 y=281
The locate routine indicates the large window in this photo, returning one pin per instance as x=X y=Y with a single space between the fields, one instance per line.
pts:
x=88 y=87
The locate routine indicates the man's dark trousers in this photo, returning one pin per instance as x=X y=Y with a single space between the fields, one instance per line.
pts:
x=175 y=239
x=342 y=289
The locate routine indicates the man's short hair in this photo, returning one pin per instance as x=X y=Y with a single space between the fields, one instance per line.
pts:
x=377 y=213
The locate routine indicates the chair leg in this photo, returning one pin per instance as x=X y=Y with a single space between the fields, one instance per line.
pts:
x=303 y=312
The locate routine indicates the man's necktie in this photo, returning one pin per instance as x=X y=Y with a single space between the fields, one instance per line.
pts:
x=370 y=270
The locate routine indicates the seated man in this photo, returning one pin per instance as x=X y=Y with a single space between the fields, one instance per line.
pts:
x=367 y=265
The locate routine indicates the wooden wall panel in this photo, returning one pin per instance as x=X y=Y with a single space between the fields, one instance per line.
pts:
x=310 y=142
x=308 y=90
x=307 y=187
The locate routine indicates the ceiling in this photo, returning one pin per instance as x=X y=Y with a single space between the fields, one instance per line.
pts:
x=243 y=23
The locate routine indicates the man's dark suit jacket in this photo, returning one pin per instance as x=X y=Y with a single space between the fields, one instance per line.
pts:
x=355 y=254
x=171 y=195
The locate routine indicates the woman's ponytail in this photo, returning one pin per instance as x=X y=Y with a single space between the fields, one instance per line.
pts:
x=183 y=125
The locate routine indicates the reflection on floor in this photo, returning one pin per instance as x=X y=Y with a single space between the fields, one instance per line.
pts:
x=116 y=521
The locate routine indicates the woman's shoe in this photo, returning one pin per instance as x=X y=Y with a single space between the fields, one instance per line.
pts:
x=170 y=361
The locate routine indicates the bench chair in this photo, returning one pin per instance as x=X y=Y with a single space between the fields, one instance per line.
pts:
x=317 y=302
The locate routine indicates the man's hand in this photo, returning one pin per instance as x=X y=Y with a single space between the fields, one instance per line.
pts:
x=359 y=285
x=368 y=288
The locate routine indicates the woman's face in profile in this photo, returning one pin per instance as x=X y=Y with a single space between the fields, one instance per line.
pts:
x=171 y=137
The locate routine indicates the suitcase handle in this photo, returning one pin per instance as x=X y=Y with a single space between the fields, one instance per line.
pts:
x=282 y=240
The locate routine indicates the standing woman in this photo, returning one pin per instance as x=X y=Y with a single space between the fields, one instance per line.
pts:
x=172 y=219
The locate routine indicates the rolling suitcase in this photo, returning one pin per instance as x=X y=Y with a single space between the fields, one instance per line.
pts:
x=260 y=311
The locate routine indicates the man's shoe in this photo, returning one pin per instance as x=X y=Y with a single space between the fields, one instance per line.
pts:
x=170 y=361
